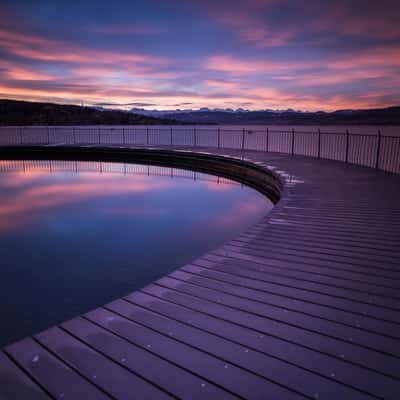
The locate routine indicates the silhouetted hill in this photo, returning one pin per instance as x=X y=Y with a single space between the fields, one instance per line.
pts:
x=28 y=113
x=383 y=116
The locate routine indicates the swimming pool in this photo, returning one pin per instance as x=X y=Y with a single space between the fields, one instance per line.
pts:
x=77 y=234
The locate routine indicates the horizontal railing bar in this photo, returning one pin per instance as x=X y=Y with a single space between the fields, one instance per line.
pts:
x=184 y=129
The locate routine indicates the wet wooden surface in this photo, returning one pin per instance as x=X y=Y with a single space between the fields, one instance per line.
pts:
x=305 y=304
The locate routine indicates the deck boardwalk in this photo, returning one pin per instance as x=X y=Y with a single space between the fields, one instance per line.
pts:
x=303 y=305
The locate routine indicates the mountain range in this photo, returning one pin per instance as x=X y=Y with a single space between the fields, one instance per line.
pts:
x=14 y=112
x=378 y=116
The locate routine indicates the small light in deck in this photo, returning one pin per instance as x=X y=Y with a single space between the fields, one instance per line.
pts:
x=35 y=359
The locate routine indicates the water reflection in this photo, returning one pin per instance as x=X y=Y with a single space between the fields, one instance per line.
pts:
x=75 y=235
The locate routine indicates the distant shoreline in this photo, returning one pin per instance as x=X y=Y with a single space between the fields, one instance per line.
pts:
x=24 y=113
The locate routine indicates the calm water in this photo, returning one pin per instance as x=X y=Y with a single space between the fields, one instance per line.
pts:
x=75 y=235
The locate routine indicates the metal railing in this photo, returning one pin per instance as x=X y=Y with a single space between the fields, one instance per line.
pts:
x=372 y=150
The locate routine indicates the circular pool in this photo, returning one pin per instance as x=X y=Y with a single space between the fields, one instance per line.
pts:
x=77 y=234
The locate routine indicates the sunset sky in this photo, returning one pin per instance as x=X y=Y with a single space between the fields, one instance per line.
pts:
x=168 y=54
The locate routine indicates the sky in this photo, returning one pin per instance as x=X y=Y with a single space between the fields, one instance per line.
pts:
x=184 y=54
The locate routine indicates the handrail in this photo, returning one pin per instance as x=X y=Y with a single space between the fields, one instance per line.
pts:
x=373 y=150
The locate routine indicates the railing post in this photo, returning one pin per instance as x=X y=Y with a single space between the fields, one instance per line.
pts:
x=219 y=138
x=73 y=135
x=172 y=141
x=20 y=135
x=292 y=141
x=99 y=135
x=319 y=142
x=48 y=135
x=123 y=136
x=243 y=135
x=267 y=144
x=347 y=145
x=378 y=150
x=147 y=136
x=194 y=137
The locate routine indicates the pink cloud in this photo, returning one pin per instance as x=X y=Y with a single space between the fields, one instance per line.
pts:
x=335 y=77
x=234 y=65
x=219 y=83
x=43 y=49
x=384 y=56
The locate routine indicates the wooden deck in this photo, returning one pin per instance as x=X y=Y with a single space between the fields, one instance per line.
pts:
x=305 y=304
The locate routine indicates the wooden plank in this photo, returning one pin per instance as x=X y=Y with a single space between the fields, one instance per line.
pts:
x=211 y=368
x=325 y=328
x=323 y=244
x=245 y=287
x=56 y=377
x=243 y=268
x=15 y=384
x=300 y=357
x=333 y=247
x=99 y=370
x=297 y=271
x=253 y=361
x=349 y=267
x=354 y=295
x=365 y=262
x=328 y=237
x=342 y=350
x=319 y=325
x=350 y=241
x=270 y=275
x=356 y=280
x=287 y=257
x=144 y=362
